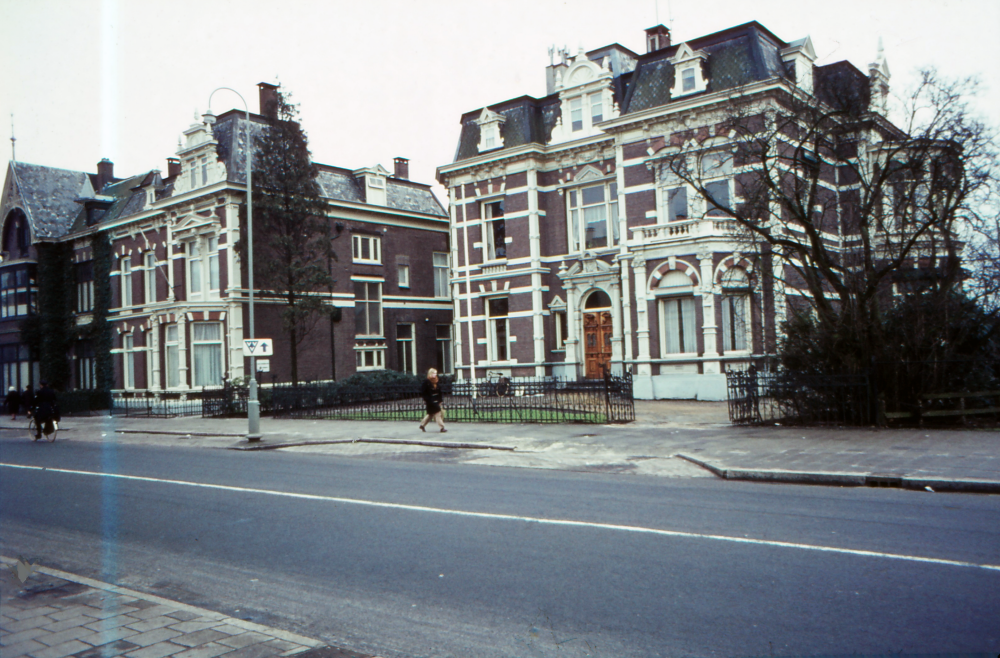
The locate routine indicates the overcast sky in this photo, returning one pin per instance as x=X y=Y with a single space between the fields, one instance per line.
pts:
x=87 y=79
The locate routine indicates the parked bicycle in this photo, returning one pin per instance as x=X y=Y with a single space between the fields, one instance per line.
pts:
x=496 y=385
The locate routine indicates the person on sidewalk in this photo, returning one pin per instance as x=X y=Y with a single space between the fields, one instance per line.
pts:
x=431 y=393
x=13 y=402
x=28 y=400
x=46 y=410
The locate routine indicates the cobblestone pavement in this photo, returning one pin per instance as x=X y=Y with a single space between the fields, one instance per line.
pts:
x=54 y=614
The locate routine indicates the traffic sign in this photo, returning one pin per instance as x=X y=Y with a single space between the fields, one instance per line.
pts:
x=263 y=365
x=258 y=347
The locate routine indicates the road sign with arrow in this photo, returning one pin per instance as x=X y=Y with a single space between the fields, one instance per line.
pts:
x=258 y=347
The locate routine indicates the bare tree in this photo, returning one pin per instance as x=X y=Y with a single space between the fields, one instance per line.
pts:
x=844 y=209
x=293 y=251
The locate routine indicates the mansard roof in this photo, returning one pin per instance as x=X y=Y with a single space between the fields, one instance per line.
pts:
x=48 y=196
x=736 y=56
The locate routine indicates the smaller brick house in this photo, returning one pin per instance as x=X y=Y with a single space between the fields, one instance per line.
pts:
x=178 y=305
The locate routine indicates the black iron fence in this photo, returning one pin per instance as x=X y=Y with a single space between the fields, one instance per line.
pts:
x=801 y=399
x=152 y=407
x=541 y=400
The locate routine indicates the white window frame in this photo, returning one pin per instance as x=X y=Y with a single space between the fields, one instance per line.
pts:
x=362 y=352
x=596 y=108
x=494 y=324
x=561 y=321
x=366 y=301
x=128 y=361
x=444 y=347
x=404 y=345
x=732 y=335
x=85 y=293
x=442 y=286
x=576 y=114
x=125 y=274
x=196 y=343
x=717 y=168
x=403 y=271
x=202 y=262
x=149 y=259
x=492 y=251
x=374 y=248
x=576 y=212
x=687 y=328
x=172 y=346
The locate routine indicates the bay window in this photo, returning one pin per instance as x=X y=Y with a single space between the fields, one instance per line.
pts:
x=206 y=348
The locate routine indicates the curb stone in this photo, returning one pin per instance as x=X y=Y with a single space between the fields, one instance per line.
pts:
x=848 y=479
x=406 y=442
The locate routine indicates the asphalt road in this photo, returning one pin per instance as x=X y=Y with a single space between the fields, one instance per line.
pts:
x=412 y=558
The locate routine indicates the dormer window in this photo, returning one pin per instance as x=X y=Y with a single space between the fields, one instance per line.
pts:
x=376 y=190
x=489 y=130
x=687 y=79
x=689 y=70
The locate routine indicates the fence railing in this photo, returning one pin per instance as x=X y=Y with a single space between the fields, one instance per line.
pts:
x=150 y=407
x=541 y=400
x=801 y=399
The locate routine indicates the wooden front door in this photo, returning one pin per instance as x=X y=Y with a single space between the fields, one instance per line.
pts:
x=597 y=341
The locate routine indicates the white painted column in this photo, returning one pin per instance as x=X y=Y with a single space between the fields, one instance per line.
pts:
x=624 y=264
x=616 y=328
x=170 y=263
x=711 y=365
x=537 y=303
x=456 y=293
x=642 y=314
x=572 y=327
x=234 y=321
x=624 y=256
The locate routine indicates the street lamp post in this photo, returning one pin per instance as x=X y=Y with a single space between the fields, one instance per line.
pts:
x=253 y=405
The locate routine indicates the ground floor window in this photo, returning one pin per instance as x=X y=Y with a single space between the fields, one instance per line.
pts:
x=562 y=329
x=128 y=355
x=499 y=329
x=369 y=357
x=734 y=322
x=206 y=348
x=17 y=369
x=86 y=366
x=172 y=355
x=405 y=358
x=443 y=362
x=679 y=333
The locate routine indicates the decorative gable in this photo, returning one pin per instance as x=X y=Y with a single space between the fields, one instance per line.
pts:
x=200 y=164
x=489 y=130
x=689 y=71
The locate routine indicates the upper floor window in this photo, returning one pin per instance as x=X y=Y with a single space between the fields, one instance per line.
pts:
x=596 y=109
x=717 y=179
x=85 y=287
x=593 y=217
x=494 y=231
x=440 y=274
x=126 y=281
x=404 y=275
x=367 y=308
x=204 y=171
x=687 y=79
x=17 y=291
x=677 y=204
x=150 y=266
x=203 y=268
x=367 y=249
x=576 y=113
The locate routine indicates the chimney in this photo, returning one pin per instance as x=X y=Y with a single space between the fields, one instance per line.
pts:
x=657 y=38
x=105 y=173
x=173 y=167
x=402 y=167
x=268 y=100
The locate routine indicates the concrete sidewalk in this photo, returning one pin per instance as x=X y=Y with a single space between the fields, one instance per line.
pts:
x=54 y=614
x=668 y=439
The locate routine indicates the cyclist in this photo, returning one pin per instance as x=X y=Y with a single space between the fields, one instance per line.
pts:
x=46 y=410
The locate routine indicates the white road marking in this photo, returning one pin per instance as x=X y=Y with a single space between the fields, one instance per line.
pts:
x=529 y=519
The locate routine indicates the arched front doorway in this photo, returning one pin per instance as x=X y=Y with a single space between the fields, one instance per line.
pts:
x=597 y=332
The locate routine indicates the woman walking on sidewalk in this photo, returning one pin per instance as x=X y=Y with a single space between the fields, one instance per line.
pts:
x=431 y=393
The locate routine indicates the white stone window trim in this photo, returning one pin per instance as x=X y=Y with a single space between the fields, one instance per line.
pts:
x=202 y=258
x=578 y=244
x=374 y=248
x=489 y=123
x=686 y=60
